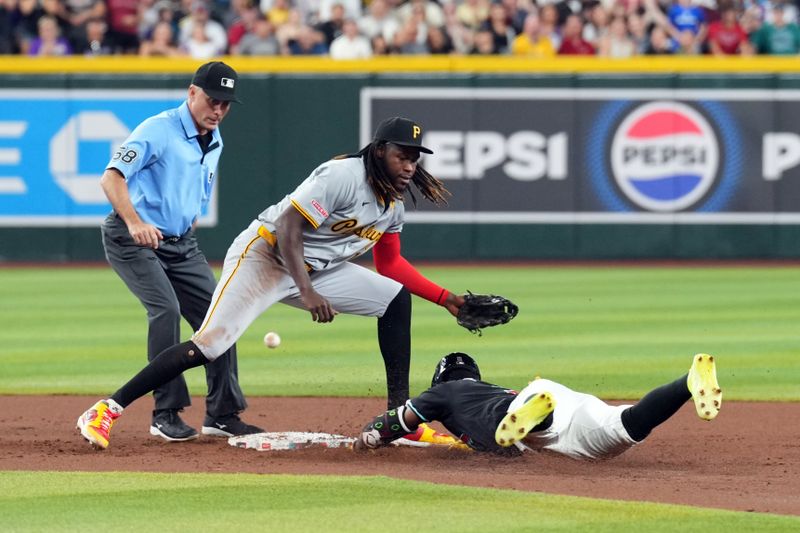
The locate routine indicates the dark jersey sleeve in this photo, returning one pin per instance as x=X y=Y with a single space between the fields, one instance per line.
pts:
x=469 y=409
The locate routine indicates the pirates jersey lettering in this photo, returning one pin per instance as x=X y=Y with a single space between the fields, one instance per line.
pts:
x=345 y=218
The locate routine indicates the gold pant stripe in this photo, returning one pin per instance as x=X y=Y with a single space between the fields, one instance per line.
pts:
x=227 y=282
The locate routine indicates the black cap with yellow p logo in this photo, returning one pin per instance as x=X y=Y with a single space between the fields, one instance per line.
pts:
x=401 y=131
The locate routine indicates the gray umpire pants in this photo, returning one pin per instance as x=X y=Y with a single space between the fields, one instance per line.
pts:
x=172 y=281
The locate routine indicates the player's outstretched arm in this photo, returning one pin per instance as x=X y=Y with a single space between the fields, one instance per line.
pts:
x=289 y=232
x=389 y=263
x=387 y=427
x=453 y=303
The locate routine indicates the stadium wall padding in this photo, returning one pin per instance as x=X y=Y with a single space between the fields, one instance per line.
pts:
x=293 y=120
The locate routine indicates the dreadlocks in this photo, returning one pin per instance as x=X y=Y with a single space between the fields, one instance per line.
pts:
x=430 y=187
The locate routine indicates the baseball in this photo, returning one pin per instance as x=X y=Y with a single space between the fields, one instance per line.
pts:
x=272 y=340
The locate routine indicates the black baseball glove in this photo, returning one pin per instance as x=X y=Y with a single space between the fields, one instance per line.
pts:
x=484 y=310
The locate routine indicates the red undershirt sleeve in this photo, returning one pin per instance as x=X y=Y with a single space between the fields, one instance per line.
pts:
x=391 y=264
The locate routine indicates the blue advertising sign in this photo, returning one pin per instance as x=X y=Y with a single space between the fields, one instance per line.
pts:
x=55 y=145
x=628 y=156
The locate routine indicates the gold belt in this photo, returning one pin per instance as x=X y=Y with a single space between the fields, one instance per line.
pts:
x=268 y=236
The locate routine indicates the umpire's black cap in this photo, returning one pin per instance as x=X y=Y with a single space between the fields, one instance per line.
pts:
x=401 y=131
x=218 y=80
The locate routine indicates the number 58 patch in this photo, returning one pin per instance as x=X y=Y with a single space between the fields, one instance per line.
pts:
x=125 y=155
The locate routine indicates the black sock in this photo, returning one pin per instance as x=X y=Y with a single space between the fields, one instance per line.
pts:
x=394 y=339
x=656 y=407
x=168 y=365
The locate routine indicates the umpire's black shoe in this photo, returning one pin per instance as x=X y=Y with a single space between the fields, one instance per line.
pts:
x=228 y=426
x=169 y=426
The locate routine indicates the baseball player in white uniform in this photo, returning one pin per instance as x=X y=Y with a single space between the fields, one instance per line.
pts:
x=545 y=415
x=298 y=252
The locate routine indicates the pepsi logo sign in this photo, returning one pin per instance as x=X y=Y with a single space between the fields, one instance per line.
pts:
x=664 y=156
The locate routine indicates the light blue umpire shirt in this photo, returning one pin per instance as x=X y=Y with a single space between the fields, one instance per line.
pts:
x=169 y=177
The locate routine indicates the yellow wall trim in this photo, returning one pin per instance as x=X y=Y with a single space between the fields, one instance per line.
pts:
x=409 y=64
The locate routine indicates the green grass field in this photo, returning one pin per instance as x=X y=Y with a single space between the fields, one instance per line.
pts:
x=247 y=502
x=615 y=332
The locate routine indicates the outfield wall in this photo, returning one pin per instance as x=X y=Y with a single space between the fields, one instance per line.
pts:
x=562 y=159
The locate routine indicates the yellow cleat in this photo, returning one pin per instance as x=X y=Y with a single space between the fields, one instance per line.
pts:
x=95 y=424
x=427 y=436
x=518 y=423
x=702 y=383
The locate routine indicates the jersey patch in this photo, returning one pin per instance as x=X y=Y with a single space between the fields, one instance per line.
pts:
x=125 y=155
x=318 y=207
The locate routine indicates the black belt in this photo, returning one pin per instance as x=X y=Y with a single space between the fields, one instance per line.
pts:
x=172 y=239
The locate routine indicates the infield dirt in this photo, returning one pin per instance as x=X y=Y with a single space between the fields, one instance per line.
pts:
x=748 y=459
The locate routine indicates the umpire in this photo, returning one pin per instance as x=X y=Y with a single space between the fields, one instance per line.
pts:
x=158 y=182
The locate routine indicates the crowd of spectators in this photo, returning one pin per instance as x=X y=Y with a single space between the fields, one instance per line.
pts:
x=353 y=29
